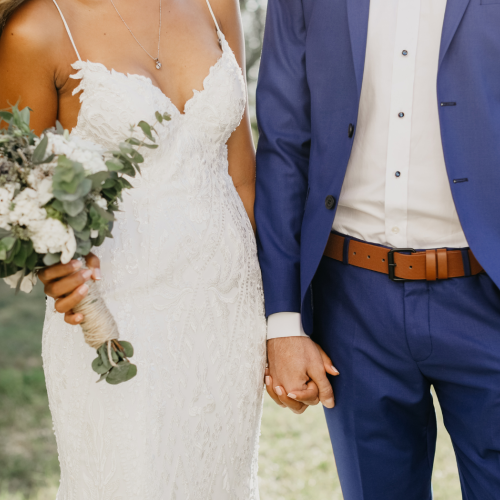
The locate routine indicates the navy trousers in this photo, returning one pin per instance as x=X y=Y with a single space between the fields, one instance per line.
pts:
x=391 y=342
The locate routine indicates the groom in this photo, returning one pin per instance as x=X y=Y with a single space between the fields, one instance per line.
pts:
x=378 y=167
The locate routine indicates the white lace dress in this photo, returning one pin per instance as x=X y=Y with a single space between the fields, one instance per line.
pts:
x=182 y=279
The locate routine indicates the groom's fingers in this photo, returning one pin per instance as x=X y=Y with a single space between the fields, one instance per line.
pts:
x=327 y=362
x=309 y=396
x=318 y=375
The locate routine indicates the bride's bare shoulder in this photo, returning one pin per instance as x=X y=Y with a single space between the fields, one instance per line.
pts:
x=34 y=27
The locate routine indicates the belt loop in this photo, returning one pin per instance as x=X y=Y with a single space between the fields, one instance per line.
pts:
x=466 y=261
x=430 y=265
x=345 y=253
x=442 y=263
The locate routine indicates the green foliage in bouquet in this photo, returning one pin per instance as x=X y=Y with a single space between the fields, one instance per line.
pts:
x=123 y=370
x=58 y=196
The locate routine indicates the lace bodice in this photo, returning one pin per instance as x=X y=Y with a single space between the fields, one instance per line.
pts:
x=113 y=101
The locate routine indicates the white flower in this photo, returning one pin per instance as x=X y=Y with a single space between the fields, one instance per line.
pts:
x=27 y=284
x=6 y=195
x=76 y=149
x=44 y=191
x=52 y=236
x=26 y=208
x=99 y=200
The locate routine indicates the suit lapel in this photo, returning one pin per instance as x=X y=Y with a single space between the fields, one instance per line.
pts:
x=455 y=10
x=357 y=13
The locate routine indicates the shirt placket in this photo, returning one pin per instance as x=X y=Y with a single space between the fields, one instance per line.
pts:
x=400 y=122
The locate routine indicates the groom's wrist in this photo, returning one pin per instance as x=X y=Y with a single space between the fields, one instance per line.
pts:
x=285 y=324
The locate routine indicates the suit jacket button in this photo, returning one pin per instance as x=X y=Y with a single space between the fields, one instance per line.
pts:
x=351 y=130
x=330 y=202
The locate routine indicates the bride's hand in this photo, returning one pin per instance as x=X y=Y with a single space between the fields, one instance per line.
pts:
x=67 y=284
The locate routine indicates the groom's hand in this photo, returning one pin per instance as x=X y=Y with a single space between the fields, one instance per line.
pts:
x=297 y=373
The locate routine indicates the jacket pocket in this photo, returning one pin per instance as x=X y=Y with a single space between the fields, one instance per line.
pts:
x=490 y=2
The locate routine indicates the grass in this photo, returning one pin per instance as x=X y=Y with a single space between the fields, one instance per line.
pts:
x=296 y=462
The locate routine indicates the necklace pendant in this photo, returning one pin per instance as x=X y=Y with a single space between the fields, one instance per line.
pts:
x=158 y=64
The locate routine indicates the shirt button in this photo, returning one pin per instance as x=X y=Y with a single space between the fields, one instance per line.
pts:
x=330 y=202
x=401 y=115
x=405 y=52
x=395 y=230
x=398 y=174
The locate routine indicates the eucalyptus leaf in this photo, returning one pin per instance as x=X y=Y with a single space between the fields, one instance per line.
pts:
x=31 y=261
x=122 y=373
x=98 y=366
x=73 y=208
x=83 y=235
x=59 y=128
x=6 y=116
x=97 y=179
x=159 y=116
x=78 y=222
x=8 y=242
x=114 y=165
x=51 y=258
x=127 y=347
x=25 y=115
x=83 y=247
x=146 y=129
x=13 y=251
x=103 y=353
x=40 y=150
x=104 y=376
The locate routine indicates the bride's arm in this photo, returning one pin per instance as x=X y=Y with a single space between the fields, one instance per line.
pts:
x=241 y=151
x=33 y=55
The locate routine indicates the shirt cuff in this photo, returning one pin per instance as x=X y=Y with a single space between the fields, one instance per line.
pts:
x=285 y=324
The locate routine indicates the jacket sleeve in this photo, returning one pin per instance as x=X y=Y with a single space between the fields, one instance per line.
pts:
x=283 y=115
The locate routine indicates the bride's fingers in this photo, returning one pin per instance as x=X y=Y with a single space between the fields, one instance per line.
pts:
x=68 y=284
x=58 y=271
x=73 y=319
x=309 y=396
x=268 y=380
x=94 y=263
x=66 y=304
x=327 y=362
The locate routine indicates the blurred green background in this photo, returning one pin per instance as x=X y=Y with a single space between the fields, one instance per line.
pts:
x=296 y=461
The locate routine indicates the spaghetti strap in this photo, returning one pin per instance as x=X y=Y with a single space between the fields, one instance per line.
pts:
x=67 y=29
x=213 y=16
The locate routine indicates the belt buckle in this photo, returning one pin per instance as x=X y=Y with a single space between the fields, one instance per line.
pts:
x=392 y=264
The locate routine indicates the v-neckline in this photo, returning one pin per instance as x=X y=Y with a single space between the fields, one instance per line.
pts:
x=147 y=79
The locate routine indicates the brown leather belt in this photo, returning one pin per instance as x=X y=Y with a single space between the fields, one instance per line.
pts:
x=427 y=265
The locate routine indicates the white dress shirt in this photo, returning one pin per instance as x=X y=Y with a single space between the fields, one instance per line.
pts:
x=396 y=190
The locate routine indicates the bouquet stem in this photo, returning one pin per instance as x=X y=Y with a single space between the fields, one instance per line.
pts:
x=101 y=333
x=98 y=325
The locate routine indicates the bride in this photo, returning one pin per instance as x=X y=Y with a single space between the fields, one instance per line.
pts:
x=181 y=275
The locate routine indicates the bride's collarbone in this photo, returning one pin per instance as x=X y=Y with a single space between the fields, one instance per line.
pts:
x=189 y=45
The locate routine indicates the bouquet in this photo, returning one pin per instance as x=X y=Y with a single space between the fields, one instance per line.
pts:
x=58 y=195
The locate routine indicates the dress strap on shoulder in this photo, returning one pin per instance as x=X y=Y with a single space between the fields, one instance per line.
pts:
x=67 y=29
x=213 y=16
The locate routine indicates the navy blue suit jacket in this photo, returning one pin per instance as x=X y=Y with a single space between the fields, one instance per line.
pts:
x=307 y=97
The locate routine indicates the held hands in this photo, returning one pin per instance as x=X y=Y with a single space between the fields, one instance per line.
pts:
x=67 y=284
x=296 y=377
